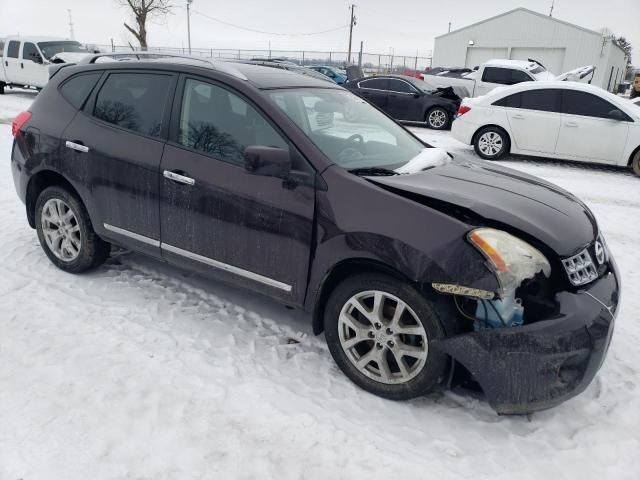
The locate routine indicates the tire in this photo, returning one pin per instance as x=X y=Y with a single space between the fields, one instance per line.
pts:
x=424 y=367
x=79 y=249
x=635 y=164
x=2 y=85
x=491 y=143
x=438 y=118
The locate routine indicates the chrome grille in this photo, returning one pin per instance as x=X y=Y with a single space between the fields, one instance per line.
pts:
x=580 y=268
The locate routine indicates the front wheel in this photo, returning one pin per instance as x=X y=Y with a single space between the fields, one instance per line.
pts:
x=491 y=143
x=635 y=163
x=379 y=330
x=438 y=118
x=65 y=231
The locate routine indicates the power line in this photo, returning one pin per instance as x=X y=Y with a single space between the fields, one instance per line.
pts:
x=268 y=33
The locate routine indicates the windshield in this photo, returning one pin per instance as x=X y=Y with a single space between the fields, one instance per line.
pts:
x=538 y=69
x=349 y=131
x=49 y=49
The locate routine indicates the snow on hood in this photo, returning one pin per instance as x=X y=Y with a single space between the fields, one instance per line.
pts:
x=428 y=158
x=68 y=57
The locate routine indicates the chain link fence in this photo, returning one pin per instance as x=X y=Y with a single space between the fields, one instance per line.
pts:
x=371 y=63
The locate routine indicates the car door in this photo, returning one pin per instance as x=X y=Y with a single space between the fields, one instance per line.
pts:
x=402 y=101
x=115 y=145
x=493 y=77
x=218 y=216
x=375 y=91
x=12 y=62
x=588 y=131
x=32 y=67
x=534 y=119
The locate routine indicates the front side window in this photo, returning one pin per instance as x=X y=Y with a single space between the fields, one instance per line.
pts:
x=375 y=83
x=400 y=86
x=30 y=52
x=135 y=101
x=13 y=49
x=586 y=104
x=349 y=131
x=220 y=123
x=544 y=100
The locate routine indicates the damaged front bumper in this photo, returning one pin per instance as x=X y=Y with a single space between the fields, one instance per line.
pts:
x=540 y=365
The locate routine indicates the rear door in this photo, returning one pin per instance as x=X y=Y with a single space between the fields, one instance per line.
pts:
x=587 y=130
x=375 y=91
x=402 y=101
x=534 y=119
x=32 y=67
x=116 y=144
x=493 y=77
x=245 y=228
x=12 y=62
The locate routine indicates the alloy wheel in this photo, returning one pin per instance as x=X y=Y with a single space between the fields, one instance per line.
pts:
x=437 y=119
x=61 y=230
x=490 y=144
x=382 y=337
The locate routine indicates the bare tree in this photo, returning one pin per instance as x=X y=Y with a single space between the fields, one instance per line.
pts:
x=144 y=10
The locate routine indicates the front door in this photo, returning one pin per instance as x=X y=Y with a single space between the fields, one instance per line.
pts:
x=587 y=130
x=115 y=146
x=218 y=217
x=402 y=101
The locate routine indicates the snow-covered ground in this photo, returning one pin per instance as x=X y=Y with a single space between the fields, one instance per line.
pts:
x=141 y=371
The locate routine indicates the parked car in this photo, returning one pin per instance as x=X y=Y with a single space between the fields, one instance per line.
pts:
x=565 y=120
x=498 y=73
x=25 y=60
x=408 y=99
x=337 y=75
x=411 y=261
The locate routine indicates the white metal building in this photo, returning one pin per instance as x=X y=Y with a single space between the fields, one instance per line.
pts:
x=521 y=34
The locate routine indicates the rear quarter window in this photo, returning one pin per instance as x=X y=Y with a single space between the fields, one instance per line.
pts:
x=76 y=89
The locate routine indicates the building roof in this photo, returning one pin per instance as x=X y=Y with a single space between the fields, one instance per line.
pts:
x=547 y=17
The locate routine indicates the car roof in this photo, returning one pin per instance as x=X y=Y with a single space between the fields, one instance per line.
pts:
x=524 y=64
x=36 y=38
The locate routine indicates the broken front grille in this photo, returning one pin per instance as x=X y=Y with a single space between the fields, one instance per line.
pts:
x=580 y=268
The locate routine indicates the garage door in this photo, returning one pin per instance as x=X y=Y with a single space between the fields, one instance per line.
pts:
x=552 y=58
x=478 y=55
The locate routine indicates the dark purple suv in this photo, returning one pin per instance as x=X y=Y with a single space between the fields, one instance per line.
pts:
x=415 y=264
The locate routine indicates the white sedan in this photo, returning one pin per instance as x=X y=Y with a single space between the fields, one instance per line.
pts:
x=564 y=120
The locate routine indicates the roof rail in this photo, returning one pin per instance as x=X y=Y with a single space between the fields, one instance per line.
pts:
x=215 y=64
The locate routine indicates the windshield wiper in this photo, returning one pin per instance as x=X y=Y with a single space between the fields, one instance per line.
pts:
x=373 y=171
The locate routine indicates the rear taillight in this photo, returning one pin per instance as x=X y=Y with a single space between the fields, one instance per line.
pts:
x=463 y=109
x=19 y=122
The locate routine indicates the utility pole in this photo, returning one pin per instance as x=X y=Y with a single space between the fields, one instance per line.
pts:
x=70 y=25
x=449 y=27
x=552 y=5
x=189 y=26
x=352 y=24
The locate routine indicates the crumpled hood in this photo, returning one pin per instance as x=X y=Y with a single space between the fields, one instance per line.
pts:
x=68 y=57
x=550 y=214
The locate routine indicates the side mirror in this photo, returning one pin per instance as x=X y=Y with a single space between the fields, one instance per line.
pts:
x=617 y=115
x=417 y=95
x=36 y=58
x=267 y=161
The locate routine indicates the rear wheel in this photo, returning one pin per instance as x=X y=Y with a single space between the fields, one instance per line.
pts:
x=635 y=163
x=65 y=232
x=438 y=118
x=491 y=143
x=2 y=84
x=378 y=330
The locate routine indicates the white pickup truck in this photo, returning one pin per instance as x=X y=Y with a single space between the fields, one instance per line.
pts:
x=26 y=60
x=498 y=73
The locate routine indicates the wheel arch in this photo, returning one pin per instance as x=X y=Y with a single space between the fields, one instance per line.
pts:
x=632 y=156
x=37 y=183
x=337 y=274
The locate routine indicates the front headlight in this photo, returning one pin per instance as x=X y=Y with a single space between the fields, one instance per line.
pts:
x=512 y=259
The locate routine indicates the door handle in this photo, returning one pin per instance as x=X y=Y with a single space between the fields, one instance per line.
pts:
x=21 y=65
x=518 y=117
x=78 y=147
x=571 y=124
x=177 y=177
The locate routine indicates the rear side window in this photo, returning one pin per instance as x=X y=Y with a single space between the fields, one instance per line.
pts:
x=30 y=52
x=504 y=76
x=400 y=86
x=77 y=89
x=1 y=48
x=544 y=100
x=135 y=101
x=375 y=83
x=13 y=49
x=586 y=104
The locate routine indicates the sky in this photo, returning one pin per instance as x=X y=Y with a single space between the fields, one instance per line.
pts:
x=405 y=27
